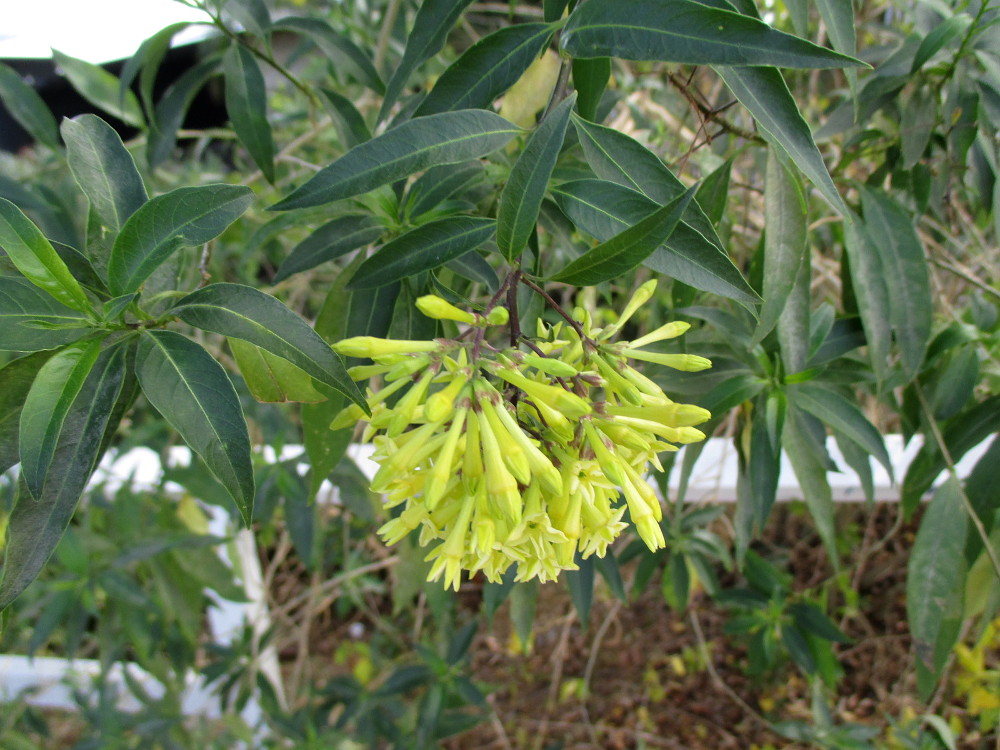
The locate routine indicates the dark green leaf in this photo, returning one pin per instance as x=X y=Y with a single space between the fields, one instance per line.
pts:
x=808 y=459
x=31 y=320
x=27 y=107
x=416 y=145
x=676 y=582
x=810 y=618
x=610 y=571
x=713 y=191
x=867 y=276
x=341 y=51
x=181 y=218
x=906 y=275
x=798 y=648
x=487 y=69
x=193 y=393
x=590 y=78
x=103 y=169
x=917 y=121
x=554 y=9
x=939 y=36
x=272 y=379
x=523 y=602
x=764 y=92
x=243 y=312
x=252 y=15
x=604 y=209
x=172 y=108
x=438 y=184
x=332 y=240
x=794 y=324
x=626 y=250
x=685 y=31
x=434 y=20
x=474 y=267
x=147 y=59
x=100 y=88
x=785 y=248
x=46 y=407
x=36 y=259
x=350 y=124
x=421 y=249
x=246 y=104
x=956 y=383
x=838 y=19
x=521 y=198
x=16 y=378
x=580 y=583
x=936 y=571
x=408 y=323
x=36 y=524
x=836 y=411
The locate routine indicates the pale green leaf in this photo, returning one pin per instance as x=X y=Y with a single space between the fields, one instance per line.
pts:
x=100 y=88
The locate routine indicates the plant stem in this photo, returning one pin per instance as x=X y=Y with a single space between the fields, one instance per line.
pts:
x=555 y=306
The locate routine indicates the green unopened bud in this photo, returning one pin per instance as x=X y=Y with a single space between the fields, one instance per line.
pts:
x=440 y=309
x=667 y=331
x=440 y=403
x=639 y=298
x=498 y=316
x=371 y=346
x=554 y=367
x=685 y=362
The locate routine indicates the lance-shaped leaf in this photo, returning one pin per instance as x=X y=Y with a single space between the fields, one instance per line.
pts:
x=422 y=249
x=763 y=91
x=36 y=259
x=100 y=88
x=626 y=250
x=146 y=63
x=785 y=248
x=272 y=379
x=50 y=399
x=342 y=52
x=617 y=157
x=521 y=199
x=103 y=169
x=332 y=240
x=193 y=393
x=487 y=69
x=686 y=31
x=833 y=409
x=906 y=277
x=28 y=108
x=808 y=458
x=246 y=104
x=416 y=145
x=935 y=574
x=838 y=18
x=474 y=267
x=349 y=122
x=434 y=20
x=242 y=312
x=31 y=320
x=181 y=218
x=252 y=15
x=604 y=209
x=869 y=284
x=16 y=378
x=438 y=184
x=590 y=78
x=36 y=524
x=173 y=106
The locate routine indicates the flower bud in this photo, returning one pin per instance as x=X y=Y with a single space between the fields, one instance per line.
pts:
x=371 y=346
x=434 y=307
x=498 y=316
x=685 y=362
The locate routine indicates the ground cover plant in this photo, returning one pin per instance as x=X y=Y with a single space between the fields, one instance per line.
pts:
x=529 y=251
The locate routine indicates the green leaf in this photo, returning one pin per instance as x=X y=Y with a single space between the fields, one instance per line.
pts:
x=252 y=15
x=604 y=209
x=272 y=379
x=553 y=9
x=808 y=462
x=350 y=124
x=438 y=184
x=590 y=78
x=434 y=20
x=246 y=104
x=869 y=284
x=103 y=169
x=50 y=399
x=836 y=411
x=345 y=55
x=713 y=192
x=911 y=304
x=332 y=240
x=626 y=250
x=487 y=69
x=421 y=249
x=685 y=31
x=764 y=92
x=838 y=18
x=785 y=248
x=147 y=59
x=31 y=320
x=416 y=145
x=27 y=108
x=100 y=88
x=935 y=572
x=172 y=108
x=193 y=393
x=523 y=603
x=243 y=312
x=521 y=198
x=16 y=378
x=619 y=158
x=939 y=36
x=37 y=524
x=36 y=259
x=181 y=218
x=473 y=266
x=917 y=120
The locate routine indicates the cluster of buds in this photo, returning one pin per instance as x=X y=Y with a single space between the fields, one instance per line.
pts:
x=522 y=455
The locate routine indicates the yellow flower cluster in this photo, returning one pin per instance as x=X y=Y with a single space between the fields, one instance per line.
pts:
x=505 y=457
